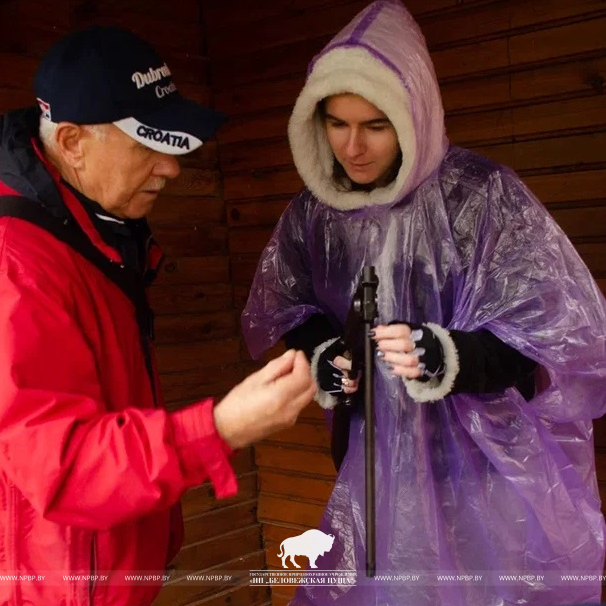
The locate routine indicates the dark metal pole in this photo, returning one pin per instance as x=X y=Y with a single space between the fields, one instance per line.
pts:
x=369 y=313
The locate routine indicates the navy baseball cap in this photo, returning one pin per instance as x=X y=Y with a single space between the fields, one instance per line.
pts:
x=109 y=75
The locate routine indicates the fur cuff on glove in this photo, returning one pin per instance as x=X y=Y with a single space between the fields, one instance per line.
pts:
x=437 y=388
x=325 y=400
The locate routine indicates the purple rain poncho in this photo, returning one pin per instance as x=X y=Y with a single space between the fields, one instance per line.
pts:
x=487 y=484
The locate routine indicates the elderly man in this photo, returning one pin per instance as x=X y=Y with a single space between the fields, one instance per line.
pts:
x=91 y=465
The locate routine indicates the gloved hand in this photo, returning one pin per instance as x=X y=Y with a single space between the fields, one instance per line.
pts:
x=331 y=378
x=412 y=350
x=332 y=373
x=429 y=351
x=435 y=362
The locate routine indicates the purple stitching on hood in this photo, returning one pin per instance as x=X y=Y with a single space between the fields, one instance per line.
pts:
x=365 y=23
x=356 y=35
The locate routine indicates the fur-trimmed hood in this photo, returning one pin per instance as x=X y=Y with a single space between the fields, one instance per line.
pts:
x=382 y=56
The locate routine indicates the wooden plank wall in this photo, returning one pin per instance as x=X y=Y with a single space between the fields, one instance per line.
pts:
x=198 y=340
x=523 y=82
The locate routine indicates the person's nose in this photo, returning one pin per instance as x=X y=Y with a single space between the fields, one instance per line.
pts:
x=355 y=143
x=167 y=166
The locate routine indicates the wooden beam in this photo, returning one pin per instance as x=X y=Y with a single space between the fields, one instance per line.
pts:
x=200 y=355
x=186 y=210
x=201 y=499
x=193 y=385
x=194 y=182
x=292 y=459
x=290 y=485
x=284 y=510
x=193 y=270
x=191 y=298
x=181 y=328
x=181 y=593
x=192 y=240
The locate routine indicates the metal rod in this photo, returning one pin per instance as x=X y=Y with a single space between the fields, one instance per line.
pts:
x=369 y=313
x=369 y=413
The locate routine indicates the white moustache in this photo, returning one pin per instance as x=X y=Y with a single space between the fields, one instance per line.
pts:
x=156 y=185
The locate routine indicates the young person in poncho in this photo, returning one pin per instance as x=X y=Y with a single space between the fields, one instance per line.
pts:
x=491 y=347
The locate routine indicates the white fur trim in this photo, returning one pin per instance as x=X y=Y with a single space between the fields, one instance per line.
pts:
x=436 y=389
x=350 y=70
x=325 y=400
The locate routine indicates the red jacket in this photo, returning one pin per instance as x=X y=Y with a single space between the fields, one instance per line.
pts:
x=91 y=470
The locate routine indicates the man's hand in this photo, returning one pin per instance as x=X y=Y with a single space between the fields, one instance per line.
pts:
x=266 y=401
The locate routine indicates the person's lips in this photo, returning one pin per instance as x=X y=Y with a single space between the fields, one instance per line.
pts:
x=155 y=187
x=153 y=190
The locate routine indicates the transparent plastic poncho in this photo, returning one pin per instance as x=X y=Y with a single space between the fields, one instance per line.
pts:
x=487 y=484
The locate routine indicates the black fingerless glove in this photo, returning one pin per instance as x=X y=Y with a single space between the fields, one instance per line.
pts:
x=330 y=378
x=467 y=362
x=429 y=351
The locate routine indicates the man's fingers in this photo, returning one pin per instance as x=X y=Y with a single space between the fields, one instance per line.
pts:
x=306 y=396
x=298 y=379
x=303 y=378
x=301 y=365
x=276 y=368
x=297 y=400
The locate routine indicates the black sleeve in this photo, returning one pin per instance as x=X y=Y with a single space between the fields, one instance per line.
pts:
x=488 y=365
x=307 y=336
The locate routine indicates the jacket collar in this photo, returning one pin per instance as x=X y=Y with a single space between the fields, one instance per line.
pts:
x=25 y=171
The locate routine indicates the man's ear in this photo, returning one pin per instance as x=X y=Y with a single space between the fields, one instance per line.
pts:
x=70 y=141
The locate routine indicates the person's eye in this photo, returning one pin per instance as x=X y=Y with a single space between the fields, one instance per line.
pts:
x=333 y=124
x=378 y=127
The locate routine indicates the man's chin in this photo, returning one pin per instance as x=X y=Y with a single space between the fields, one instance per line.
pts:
x=141 y=206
